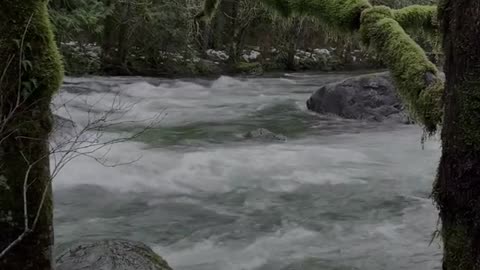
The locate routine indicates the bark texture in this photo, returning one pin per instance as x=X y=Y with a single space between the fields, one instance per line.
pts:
x=457 y=189
x=32 y=73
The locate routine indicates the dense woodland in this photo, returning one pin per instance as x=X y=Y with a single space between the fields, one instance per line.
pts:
x=165 y=37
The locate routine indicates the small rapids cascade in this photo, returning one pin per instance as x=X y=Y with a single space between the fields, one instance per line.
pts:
x=239 y=175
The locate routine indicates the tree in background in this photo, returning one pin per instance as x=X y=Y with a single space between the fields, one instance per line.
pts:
x=161 y=37
x=31 y=74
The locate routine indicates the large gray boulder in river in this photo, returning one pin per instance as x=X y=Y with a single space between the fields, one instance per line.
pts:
x=111 y=255
x=370 y=97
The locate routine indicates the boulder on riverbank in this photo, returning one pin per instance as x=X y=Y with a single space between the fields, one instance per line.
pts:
x=111 y=255
x=371 y=97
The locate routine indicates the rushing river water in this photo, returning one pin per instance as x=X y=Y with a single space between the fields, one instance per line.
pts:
x=337 y=194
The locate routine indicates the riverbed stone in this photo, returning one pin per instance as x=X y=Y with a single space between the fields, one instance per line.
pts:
x=264 y=134
x=371 y=97
x=111 y=254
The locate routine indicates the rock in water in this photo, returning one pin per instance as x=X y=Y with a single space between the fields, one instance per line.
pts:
x=368 y=97
x=111 y=255
x=264 y=135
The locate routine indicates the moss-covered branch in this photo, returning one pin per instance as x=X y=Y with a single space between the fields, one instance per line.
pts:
x=417 y=17
x=417 y=78
x=341 y=14
x=382 y=28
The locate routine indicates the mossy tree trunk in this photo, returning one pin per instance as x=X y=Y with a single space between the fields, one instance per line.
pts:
x=32 y=72
x=457 y=190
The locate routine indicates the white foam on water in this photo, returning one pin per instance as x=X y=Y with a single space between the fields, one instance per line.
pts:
x=274 y=167
x=282 y=243
x=226 y=82
x=390 y=158
x=183 y=101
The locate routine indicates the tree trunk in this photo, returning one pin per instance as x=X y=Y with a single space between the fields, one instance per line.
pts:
x=108 y=38
x=232 y=31
x=122 y=45
x=293 y=37
x=457 y=189
x=32 y=72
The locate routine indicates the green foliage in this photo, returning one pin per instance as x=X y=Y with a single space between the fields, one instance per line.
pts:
x=79 y=20
x=151 y=36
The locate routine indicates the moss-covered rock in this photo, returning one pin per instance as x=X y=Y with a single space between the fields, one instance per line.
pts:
x=112 y=255
x=254 y=68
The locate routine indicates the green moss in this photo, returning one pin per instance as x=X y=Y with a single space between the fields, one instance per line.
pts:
x=468 y=118
x=39 y=46
x=417 y=17
x=249 y=68
x=341 y=14
x=416 y=78
x=35 y=69
x=457 y=247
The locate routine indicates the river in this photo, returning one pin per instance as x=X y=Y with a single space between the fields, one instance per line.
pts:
x=337 y=195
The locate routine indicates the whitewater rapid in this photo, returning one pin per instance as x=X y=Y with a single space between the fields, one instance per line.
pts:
x=339 y=194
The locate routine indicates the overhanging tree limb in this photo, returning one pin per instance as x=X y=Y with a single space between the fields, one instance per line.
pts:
x=417 y=17
x=416 y=77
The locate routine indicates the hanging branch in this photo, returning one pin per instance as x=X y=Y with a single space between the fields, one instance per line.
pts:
x=417 y=79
